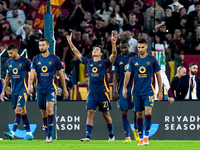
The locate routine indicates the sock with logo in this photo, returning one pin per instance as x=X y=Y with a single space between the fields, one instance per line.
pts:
x=110 y=130
x=88 y=130
x=125 y=124
x=50 y=124
x=148 y=120
x=18 y=118
x=26 y=123
x=139 y=123
x=45 y=124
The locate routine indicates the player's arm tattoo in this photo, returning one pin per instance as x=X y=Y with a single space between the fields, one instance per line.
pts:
x=114 y=53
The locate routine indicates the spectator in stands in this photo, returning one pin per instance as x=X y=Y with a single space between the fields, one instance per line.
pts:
x=149 y=16
x=77 y=15
x=132 y=42
x=125 y=7
x=34 y=6
x=192 y=6
x=112 y=5
x=32 y=39
x=5 y=27
x=183 y=12
x=189 y=85
x=99 y=30
x=62 y=20
x=112 y=25
x=193 y=14
x=15 y=6
x=23 y=6
x=6 y=37
x=195 y=42
x=88 y=45
x=132 y=23
x=3 y=8
x=139 y=14
x=120 y=16
x=176 y=4
x=103 y=12
x=181 y=71
x=88 y=17
x=16 y=21
x=144 y=35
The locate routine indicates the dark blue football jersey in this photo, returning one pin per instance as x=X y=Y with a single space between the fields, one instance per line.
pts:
x=97 y=72
x=119 y=67
x=143 y=69
x=46 y=68
x=18 y=70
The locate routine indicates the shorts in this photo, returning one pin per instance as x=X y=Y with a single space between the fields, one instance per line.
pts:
x=100 y=99
x=142 y=101
x=19 y=100
x=42 y=98
x=125 y=103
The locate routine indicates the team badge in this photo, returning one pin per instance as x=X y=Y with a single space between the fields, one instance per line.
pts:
x=20 y=64
x=148 y=63
x=50 y=62
x=99 y=65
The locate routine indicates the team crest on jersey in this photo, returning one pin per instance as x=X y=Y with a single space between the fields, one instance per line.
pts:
x=50 y=62
x=20 y=64
x=121 y=63
x=99 y=65
x=136 y=64
x=10 y=66
x=148 y=63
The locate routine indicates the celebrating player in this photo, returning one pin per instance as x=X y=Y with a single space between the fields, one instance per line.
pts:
x=98 y=87
x=124 y=104
x=142 y=67
x=17 y=70
x=45 y=66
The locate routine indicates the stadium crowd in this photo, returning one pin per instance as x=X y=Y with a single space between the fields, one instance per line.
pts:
x=170 y=27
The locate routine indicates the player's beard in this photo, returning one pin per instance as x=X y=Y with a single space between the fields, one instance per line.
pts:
x=142 y=53
x=43 y=51
x=125 y=53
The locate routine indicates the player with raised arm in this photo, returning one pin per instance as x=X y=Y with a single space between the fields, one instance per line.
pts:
x=45 y=66
x=124 y=104
x=142 y=67
x=98 y=85
x=17 y=71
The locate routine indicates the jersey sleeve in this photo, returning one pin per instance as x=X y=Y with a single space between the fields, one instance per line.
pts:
x=33 y=64
x=58 y=64
x=85 y=60
x=129 y=67
x=7 y=70
x=115 y=67
x=156 y=66
x=28 y=64
x=107 y=62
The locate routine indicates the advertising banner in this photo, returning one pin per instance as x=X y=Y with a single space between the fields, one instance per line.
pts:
x=178 y=121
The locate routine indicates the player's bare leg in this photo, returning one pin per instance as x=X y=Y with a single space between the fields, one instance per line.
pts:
x=89 y=125
x=108 y=120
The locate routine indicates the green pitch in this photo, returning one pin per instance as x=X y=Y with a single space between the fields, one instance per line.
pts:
x=97 y=145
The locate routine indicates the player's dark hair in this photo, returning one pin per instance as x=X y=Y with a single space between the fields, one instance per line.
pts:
x=44 y=39
x=192 y=64
x=142 y=41
x=12 y=46
x=123 y=42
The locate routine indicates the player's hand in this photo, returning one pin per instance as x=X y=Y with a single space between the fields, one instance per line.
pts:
x=69 y=37
x=2 y=96
x=115 y=96
x=113 y=39
x=124 y=92
x=30 y=90
x=65 y=94
x=171 y=100
x=160 y=95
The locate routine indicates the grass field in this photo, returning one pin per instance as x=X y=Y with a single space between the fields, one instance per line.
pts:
x=97 y=145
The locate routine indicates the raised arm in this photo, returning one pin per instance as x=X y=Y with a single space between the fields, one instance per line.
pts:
x=73 y=48
x=160 y=93
x=126 y=81
x=114 y=49
x=7 y=80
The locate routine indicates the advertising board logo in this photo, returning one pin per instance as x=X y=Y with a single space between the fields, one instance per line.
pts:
x=22 y=133
x=153 y=129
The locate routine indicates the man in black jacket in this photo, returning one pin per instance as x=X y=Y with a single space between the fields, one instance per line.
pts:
x=189 y=85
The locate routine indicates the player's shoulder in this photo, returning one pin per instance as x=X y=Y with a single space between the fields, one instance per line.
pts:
x=152 y=57
x=37 y=57
x=8 y=61
x=25 y=59
x=133 y=57
x=132 y=54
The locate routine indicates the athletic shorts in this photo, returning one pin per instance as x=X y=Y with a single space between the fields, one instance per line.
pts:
x=42 y=98
x=142 y=101
x=125 y=103
x=19 y=100
x=100 y=99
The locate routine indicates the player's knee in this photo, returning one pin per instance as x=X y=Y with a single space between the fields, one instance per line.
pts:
x=124 y=112
x=18 y=110
x=90 y=113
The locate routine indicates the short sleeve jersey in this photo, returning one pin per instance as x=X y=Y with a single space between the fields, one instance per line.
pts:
x=46 y=68
x=18 y=70
x=119 y=67
x=143 y=69
x=97 y=72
